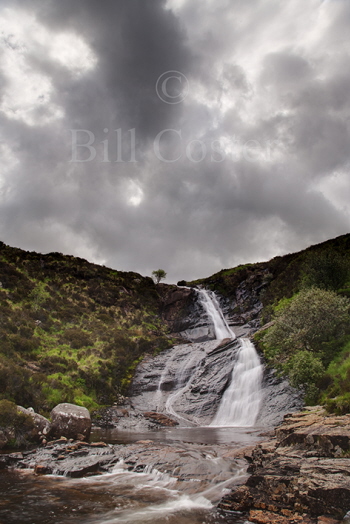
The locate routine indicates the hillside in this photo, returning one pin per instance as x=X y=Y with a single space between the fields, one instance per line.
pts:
x=71 y=330
x=74 y=331
x=281 y=276
x=300 y=303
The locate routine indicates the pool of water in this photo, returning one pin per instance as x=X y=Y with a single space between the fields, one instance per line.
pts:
x=236 y=437
x=123 y=496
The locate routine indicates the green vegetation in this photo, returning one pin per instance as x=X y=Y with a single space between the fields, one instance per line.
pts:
x=159 y=274
x=305 y=299
x=309 y=339
x=71 y=331
x=16 y=423
x=74 y=331
x=326 y=270
x=310 y=321
x=307 y=334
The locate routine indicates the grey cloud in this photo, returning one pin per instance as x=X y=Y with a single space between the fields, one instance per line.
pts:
x=192 y=218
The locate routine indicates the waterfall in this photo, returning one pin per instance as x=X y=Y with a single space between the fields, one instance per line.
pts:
x=211 y=305
x=241 y=401
x=186 y=381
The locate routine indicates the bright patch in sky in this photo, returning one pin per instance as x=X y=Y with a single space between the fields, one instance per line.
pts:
x=134 y=194
x=335 y=188
x=28 y=93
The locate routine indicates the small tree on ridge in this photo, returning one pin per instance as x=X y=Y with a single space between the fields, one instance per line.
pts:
x=158 y=275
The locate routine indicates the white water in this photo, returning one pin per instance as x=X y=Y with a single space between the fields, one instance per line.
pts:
x=242 y=399
x=240 y=403
x=211 y=305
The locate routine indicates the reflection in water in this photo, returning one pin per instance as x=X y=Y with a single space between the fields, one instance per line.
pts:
x=236 y=437
x=123 y=496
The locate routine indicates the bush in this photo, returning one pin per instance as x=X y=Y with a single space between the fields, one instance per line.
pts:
x=306 y=371
x=77 y=338
x=11 y=417
x=339 y=405
x=314 y=317
x=17 y=425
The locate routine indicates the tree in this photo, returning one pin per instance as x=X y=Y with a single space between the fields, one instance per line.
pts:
x=159 y=274
x=311 y=319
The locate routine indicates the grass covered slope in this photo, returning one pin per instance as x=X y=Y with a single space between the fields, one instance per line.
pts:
x=306 y=313
x=72 y=331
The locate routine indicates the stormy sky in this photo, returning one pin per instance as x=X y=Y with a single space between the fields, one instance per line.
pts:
x=188 y=135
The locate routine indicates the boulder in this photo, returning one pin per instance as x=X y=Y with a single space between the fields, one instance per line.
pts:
x=69 y=420
x=41 y=424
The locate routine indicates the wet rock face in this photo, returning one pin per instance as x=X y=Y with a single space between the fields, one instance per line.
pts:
x=242 y=306
x=304 y=471
x=70 y=421
x=193 y=466
x=185 y=315
x=180 y=308
x=279 y=398
x=185 y=382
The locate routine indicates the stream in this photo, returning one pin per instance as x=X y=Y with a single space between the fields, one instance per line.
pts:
x=123 y=496
x=213 y=389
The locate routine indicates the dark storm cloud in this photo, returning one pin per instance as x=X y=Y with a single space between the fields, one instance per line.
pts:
x=135 y=43
x=252 y=163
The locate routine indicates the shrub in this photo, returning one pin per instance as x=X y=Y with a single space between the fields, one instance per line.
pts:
x=314 y=317
x=339 y=405
x=306 y=371
x=38 y=296
x=77 y=338
x=15 y=423
x=11 y=417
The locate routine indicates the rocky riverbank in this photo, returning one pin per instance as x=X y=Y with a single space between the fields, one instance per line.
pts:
x=302 y=474
x=191 y=468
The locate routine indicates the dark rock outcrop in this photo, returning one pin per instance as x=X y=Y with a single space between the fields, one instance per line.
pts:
x=70 y=421
x=179 y=305
x=303 y=473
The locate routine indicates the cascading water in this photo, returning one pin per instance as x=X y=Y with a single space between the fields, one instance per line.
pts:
x=211 y=305
x=185 y=381
x=241 y=401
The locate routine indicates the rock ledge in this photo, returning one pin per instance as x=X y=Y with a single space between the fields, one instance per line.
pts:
x=300 y=475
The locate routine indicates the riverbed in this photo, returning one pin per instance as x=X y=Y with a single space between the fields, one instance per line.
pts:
x=124 y=496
